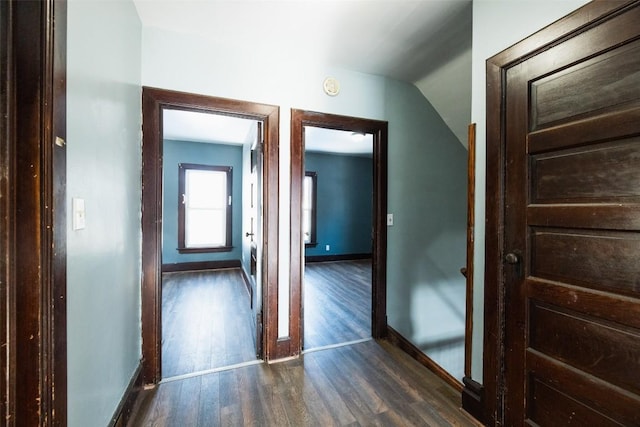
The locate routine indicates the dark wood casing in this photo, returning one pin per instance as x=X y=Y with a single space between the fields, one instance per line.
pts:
x=32 y=207
x=153 y=101
x=300 y=119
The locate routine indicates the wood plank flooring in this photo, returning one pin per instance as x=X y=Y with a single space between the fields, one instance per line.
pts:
x=206 y=321
x=206 y=318
x=369 y=383
x=337 y=302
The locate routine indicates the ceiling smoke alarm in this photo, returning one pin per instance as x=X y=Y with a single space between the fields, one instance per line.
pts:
x=331 y=86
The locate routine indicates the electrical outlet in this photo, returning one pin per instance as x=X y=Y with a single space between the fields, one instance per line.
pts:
x=327 y=248
x=389 y=219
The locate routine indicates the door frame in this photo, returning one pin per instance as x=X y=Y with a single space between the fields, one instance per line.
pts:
x=154 y=100
x=495 y=319
x=379 y=129
x=33 y=281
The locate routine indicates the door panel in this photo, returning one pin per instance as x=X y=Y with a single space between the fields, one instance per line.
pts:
x=602 y=349
x=255 y=235
x=552 y=407
x=572 y=230
x=604 y=83
x=601 y=260
x=604 y=172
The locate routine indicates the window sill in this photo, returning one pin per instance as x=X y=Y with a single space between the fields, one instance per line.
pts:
x=205 y=250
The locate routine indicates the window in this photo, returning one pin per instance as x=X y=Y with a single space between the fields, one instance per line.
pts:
x=309 y=186
x=204 y=208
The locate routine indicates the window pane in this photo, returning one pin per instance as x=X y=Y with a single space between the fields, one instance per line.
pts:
x=205 y=227
x=206 y=189
x=308 y=206
x=307 y=192
x=306 y=226
x=205 y=208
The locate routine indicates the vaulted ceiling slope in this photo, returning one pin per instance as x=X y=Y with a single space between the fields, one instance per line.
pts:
x=406 y=40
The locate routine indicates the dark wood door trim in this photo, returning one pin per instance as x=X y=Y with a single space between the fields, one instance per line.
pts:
x=379 y=129
x=7 y=235
x=153 y=102
x=468 y=270
x=570 y=26
x=472 y=392
x=32 y=207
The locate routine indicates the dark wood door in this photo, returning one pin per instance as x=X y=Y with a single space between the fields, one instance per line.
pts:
x=571 y=248
x=255 y=235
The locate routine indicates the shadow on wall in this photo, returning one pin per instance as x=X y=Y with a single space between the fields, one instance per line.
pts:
x=438 y=307
x=427 y=244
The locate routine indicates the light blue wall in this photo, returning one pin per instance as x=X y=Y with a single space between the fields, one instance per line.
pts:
x=103 y=168
x=426 y=246
x=344 y=203
x=176 y=152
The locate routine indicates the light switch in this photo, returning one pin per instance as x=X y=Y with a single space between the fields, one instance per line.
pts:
x=389 y=219
x=78 y=214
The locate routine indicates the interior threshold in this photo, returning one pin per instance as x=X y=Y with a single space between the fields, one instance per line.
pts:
x=211 y=371
x=255 y=362
x=330 y=346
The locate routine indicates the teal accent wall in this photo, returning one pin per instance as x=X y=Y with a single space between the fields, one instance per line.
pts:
x=344 y=203
x=176 y=152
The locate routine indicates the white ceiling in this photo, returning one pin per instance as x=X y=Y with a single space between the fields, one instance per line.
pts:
x=401 y=39
x=193 y=126
x=337 y=141
x=205 y=127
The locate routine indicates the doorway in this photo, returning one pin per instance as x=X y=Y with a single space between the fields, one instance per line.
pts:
x=300 y=120
x=562 y=329
x=261 y=283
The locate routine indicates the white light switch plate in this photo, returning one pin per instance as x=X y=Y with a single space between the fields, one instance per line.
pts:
x=389 y=219
x=78 y=214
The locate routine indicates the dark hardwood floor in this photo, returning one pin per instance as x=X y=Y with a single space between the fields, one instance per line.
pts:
x=206 y=321
x=368 y=383
x=337 y=302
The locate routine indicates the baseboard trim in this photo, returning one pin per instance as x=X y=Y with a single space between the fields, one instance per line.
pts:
x=127 y=403
x=408 y=347
x=344 y=257
x=200 y=265
x=247 y=283
x=473 y=399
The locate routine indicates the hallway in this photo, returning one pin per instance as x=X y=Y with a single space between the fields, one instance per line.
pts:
x=369 y=383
